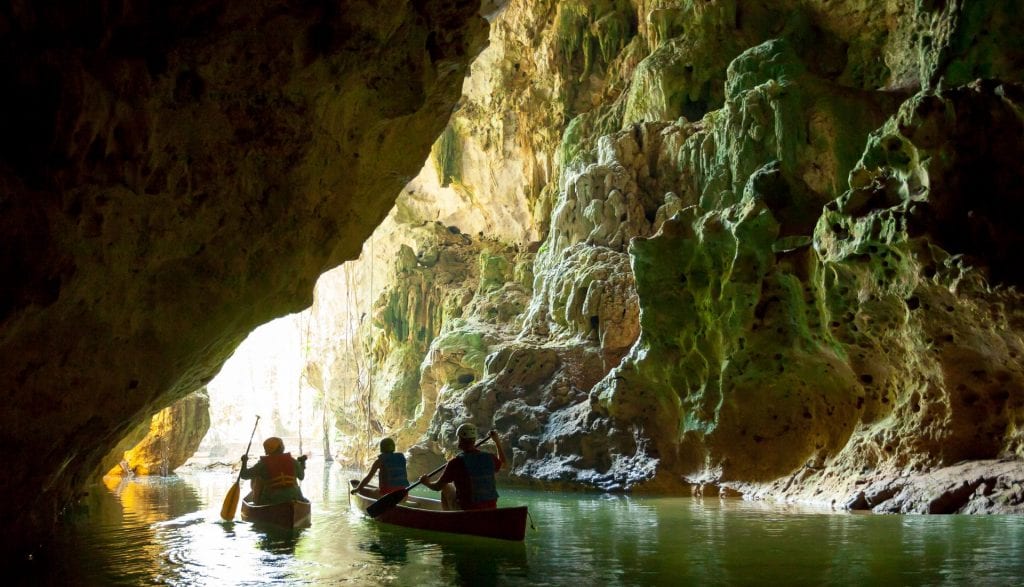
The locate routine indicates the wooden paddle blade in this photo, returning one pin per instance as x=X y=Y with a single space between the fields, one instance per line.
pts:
x=227 y=511
x=385 y=503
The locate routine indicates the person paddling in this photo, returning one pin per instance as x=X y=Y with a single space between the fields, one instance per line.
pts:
x=275 y=479
x=390 y=467
x=471 y=472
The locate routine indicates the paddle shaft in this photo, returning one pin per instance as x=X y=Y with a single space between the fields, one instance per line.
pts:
x=247 y=447
x=227 y=511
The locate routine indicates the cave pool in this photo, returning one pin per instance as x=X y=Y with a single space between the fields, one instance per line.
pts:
x=167 y=531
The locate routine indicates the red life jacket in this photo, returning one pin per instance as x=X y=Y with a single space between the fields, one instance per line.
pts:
x=280 y=470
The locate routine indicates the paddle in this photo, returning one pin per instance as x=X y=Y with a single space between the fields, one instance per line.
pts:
x=392 y=499
x=227 y=511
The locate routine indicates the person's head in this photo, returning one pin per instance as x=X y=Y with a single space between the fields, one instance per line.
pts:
x=466 y=434
x=273 y=446
x=387 y=445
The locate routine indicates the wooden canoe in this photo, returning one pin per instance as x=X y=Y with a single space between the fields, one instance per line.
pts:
x=290 y=514
x=426 y=514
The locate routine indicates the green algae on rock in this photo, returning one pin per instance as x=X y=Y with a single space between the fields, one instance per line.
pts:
x=766 y=360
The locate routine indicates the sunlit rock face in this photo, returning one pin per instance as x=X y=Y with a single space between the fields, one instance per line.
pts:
x=435 y=323
x=171 y=437
x=778 y=256
x=172 y=177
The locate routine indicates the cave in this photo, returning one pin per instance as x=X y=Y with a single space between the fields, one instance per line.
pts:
x=662 y=250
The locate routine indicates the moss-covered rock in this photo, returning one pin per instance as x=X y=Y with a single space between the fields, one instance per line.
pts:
x=958 y=42
x=592 y=32
x=929 y=294
x=691 y=44
x=945 y=167
x=446 y=156
x=773 y=354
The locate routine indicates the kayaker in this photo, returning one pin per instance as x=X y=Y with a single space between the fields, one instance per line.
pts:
x=275 y=479
x=390 y=467
x=471 y=472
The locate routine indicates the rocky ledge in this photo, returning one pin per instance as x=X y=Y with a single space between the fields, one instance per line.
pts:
x=972 y=487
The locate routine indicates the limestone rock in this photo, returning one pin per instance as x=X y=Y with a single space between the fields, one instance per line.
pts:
x=589 y=296
x=944 y=168
x=174 y=176
x=806 y=309
x=172 y=437
x=967 y=488
x=114 y=463
x=444 y=276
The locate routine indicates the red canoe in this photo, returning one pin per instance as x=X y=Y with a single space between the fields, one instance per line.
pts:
x=426 y=514
x=290 y=514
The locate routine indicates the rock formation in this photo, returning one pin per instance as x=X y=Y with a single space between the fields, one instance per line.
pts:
x=174 y=175
x=777 y=258
x=169 y=439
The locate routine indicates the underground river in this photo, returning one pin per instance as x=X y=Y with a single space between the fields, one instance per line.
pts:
x=167 y=531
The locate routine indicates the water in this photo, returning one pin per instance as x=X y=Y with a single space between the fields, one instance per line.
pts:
x=154 y=531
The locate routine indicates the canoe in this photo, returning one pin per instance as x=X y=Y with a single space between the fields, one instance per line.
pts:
x=424 y=513
x=290 y=514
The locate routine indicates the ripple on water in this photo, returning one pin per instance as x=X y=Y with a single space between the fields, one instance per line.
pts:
x=168 y=532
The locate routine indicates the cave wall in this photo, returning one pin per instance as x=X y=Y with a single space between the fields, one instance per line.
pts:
x=384 y=372
x=173 y=176
x=165 y=442
x=776 y=258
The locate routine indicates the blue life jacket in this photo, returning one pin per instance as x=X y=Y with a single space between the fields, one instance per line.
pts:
x=392 y=470
x=480 y=467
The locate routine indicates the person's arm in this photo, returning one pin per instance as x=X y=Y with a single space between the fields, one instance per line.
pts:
x=246 y=473
x=440 y=483
x=501 y=451
x=373 y=469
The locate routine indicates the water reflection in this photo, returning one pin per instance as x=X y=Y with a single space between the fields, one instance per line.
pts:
x=325 y=483
x=152 y=499
x=451 y=559
x=168 y=532
x=278 y=541
x=505 y=561
x=484 y=564
x=386 y=545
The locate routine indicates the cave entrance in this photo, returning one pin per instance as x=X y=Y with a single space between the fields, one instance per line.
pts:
x=267 y=376
x=307 y=375
x=334 y=379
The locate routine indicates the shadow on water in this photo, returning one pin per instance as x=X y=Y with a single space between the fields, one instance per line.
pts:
x=386 y=545
x=464 y=560
x=484 y=562
x=277 y=540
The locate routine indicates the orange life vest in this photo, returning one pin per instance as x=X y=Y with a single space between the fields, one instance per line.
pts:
x=280 y=470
